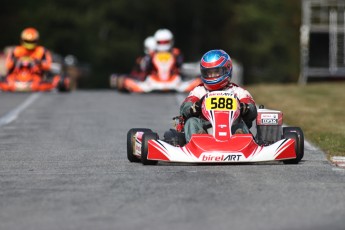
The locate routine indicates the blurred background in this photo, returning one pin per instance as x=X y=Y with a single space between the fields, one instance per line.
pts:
x=97 y=38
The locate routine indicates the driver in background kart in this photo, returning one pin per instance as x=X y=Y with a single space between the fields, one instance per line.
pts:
x=29 y=48
x=164 y=43
x=139 y=71
x=216 y=73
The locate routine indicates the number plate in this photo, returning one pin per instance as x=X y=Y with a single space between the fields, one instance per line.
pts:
x=221 y=103
x=164 y=56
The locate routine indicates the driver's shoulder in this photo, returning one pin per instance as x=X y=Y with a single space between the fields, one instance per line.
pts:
x=19 y=50
x=41 y=49
x=236 y=87
x=199 y=91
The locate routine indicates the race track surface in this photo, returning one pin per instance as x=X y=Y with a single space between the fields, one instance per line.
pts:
x=63 y=165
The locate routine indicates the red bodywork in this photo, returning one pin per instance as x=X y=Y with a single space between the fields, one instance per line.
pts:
x=222 y=146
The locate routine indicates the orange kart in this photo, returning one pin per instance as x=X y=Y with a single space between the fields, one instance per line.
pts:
x=27 y=77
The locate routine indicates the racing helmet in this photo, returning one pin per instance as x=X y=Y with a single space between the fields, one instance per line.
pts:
x=216 y=69
x=149 y=44
x=29 y=38
x=164 y=40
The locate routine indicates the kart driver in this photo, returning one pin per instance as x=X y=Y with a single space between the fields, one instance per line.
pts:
x=139 y=70
x=29 y=48
x=216 y=73
x=164 y=43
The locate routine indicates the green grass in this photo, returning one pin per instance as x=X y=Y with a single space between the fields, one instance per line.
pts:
x=318 y=108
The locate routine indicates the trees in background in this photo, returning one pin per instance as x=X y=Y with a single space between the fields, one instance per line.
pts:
x=263 y=35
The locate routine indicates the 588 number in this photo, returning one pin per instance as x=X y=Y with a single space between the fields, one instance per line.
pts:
x=223 y=103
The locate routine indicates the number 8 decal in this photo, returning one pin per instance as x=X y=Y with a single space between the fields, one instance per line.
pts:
x=229 y=103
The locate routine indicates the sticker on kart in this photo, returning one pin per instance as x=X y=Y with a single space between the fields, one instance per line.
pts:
x=269 y=118
x=164 y=56
x=209 y=157
x=223 y=102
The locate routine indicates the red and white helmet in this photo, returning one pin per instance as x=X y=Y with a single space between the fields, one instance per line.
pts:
x=164 y=39
x=216 y=69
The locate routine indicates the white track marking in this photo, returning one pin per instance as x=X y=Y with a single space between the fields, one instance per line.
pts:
x=339 y=161
x=13 y=114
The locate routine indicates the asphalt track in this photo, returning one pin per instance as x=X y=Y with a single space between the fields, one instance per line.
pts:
x=63 y=165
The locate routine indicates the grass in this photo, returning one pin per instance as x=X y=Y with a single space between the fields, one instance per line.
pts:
x=318 y=108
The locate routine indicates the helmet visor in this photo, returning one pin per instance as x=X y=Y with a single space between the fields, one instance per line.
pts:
x=213 y=72
x=30 y=41
x=29 y=45
x=163 y=42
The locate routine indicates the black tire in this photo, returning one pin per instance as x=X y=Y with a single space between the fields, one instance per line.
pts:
x=144 y=148
x=300 y=136
x=62 y=87
x=131 y=141
x=293 y=135
x=174 y=138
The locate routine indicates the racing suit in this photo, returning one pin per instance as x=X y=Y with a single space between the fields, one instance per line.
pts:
x=197 y=124
x=40 y=54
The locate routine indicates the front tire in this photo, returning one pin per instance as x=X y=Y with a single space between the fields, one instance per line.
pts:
x=131 y=143
x=120 y=84
x=144 y=148
x=64 y=84
x=293 y=135
x=300 y=136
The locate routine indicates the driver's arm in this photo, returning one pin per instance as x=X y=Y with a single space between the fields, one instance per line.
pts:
x=10 y=61
x=193 y=98
x=250 y=113
x=186 y=107
x=46 y=60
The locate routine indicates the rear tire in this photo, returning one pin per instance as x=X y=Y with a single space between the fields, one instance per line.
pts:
x=131 y=141
x=300 y=136
x=144 y=148
x=293 y=135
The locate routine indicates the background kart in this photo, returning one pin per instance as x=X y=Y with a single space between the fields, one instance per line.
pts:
x=26 y=77
x=271 y=143
x=163 y=78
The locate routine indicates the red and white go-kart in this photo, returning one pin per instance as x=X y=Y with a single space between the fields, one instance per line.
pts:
x=220 y=145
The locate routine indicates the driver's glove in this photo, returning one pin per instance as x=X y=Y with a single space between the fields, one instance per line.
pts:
x=195 y=109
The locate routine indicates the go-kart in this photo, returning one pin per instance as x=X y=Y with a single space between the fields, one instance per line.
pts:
x=221 y=144
x=27 y=77
x=163 y=78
